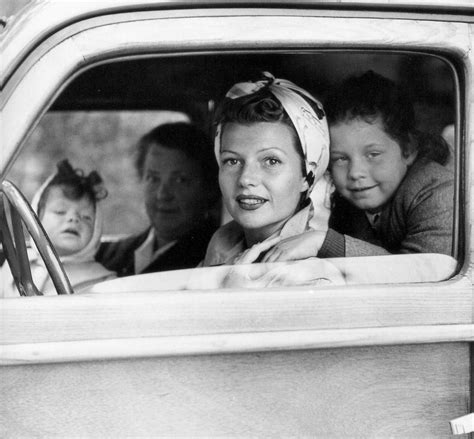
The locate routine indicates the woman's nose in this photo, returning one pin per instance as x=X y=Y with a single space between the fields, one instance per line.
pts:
x=249 y=175
x=164 y=191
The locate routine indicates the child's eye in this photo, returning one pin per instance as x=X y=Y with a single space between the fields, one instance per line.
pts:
x=59 y=212
x=373 y=154
x=87 y=218
x=338 y=160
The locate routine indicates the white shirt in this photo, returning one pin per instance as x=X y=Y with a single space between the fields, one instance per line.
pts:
x=374 y=219
x=144 y=255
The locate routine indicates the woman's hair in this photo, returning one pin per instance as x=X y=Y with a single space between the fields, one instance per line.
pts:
x=74 y=185
x=261 y=106
x=183 y=137
x=372 y=95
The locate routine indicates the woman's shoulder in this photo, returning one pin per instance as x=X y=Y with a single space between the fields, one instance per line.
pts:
x=223 y=243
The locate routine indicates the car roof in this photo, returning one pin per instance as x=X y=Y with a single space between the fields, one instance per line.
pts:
x=40 y=18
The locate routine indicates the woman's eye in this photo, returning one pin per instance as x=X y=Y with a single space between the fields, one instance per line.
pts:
x=230 y=162
x=59 y=212
x=150 y=178
x=272 y=161
x=181 y=179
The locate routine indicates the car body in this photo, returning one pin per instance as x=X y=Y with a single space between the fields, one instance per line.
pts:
x=387 y=355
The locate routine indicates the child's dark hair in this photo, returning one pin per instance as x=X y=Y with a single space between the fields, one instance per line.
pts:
x=74 y=185
x=372 y=95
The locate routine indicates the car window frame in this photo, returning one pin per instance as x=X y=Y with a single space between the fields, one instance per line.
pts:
x=437 y=311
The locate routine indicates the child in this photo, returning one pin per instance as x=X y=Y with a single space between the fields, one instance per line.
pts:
x=67 y=207
x=393 y=192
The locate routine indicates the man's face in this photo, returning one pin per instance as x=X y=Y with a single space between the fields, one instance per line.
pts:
x=175 y=196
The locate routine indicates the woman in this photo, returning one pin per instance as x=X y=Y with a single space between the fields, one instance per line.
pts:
x=272 y=148
x=179 y=179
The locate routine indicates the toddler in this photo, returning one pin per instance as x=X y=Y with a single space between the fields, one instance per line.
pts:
x=67 y=207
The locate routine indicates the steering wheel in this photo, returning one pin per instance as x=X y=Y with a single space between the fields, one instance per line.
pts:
x=14 y=212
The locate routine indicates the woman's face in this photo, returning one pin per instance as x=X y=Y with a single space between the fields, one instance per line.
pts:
x=175 y=195
x=260 y=175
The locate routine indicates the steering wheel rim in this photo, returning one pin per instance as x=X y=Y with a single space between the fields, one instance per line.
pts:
x=16 y=211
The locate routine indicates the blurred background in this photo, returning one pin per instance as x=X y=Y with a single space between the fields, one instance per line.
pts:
x=10 y=7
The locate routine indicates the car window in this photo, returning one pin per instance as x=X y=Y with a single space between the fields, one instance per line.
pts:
x=101 y=140
x=98 y=119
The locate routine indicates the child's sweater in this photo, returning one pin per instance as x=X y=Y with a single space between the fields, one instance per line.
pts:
x=418 y=219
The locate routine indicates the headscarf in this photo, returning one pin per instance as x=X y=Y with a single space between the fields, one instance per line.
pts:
x=312 y=129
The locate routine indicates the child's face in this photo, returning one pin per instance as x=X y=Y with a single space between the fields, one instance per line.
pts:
x=68 y=223
x=260 y=175
x=367 y=165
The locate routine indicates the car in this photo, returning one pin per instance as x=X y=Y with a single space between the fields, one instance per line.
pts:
x=349 y=347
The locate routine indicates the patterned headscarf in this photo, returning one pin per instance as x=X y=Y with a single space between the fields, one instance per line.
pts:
x=310 y=125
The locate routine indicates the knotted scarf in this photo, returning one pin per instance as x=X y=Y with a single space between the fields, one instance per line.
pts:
x=312 y=129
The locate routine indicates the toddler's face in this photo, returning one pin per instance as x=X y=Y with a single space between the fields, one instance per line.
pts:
x=367 y=165
x=68 y=223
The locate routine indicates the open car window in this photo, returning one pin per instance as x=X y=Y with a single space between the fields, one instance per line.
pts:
x=367 y=346
x=99 y=116
x=184 y=61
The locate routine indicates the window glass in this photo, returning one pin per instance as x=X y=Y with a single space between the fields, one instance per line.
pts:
x=101 y=140
x=98 y=119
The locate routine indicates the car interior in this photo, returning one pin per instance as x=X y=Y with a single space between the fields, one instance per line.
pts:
x=368 y=346
x=104 y=109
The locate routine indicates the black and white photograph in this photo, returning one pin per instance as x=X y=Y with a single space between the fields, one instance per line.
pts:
x=237 y=219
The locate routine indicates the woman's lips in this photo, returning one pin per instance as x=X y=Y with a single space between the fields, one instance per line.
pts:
x=250 y=202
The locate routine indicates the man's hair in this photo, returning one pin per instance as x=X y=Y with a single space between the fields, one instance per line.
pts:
x=74 y=185
x=183 y=137
x=370 y=96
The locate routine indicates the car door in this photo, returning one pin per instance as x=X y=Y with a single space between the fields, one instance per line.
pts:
x=375 y=358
